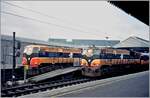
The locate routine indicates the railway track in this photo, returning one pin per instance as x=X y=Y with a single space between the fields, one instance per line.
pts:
x=34 y=88
x=38 y=87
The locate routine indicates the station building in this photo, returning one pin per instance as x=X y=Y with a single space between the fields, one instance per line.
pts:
x=134 y=43
x=84 y=43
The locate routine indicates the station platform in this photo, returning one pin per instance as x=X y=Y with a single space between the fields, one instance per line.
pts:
x=132 y=85
x=53 y=74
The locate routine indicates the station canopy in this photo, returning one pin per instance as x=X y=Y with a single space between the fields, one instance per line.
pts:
x=133 y=41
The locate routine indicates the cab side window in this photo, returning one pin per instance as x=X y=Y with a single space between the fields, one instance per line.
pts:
x=35 y=50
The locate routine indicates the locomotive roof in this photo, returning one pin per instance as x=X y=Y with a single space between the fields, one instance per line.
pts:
x=52 y=46
x=36 y=46
x=56 y=49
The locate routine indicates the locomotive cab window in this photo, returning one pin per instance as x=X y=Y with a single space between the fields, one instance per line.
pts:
x=96 y=51
x=28 y=50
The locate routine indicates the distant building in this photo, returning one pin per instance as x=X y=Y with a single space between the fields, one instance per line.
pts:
x=134 y=43
x=84 y=43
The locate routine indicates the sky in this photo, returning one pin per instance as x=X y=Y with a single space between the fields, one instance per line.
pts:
x=70 y=20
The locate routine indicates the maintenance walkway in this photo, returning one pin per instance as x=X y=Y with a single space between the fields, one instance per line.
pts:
x=53 y=74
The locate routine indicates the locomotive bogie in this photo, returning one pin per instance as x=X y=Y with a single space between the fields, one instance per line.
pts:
x=91 y=72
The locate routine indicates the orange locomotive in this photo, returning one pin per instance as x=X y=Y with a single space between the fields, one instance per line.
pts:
x=40 y=58
x=97 y=62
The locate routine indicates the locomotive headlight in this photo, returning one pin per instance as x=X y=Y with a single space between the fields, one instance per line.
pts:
x=95 y=62
x=89 y=60
x=84 y=62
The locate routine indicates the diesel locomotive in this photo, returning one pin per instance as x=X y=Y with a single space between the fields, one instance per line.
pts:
x=104 y=61
x=40 y=58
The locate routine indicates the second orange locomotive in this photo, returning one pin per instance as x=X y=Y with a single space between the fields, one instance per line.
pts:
x=97 y=62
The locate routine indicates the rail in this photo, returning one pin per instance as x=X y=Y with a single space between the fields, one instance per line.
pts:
x=33 y=88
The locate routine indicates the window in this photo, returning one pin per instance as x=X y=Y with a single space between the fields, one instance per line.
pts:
x=53 y=54
x=35 y=50
x=28 y=50
x=77 y=55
